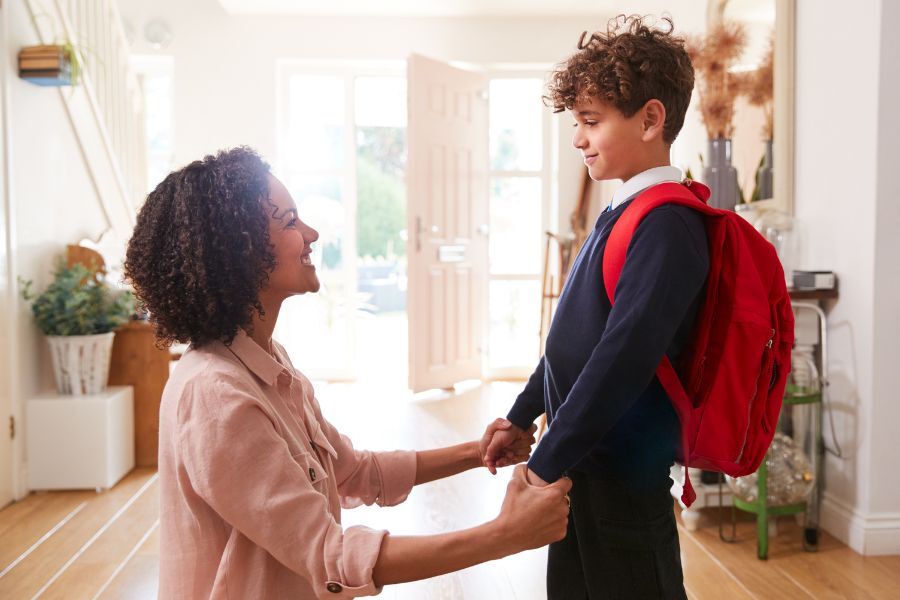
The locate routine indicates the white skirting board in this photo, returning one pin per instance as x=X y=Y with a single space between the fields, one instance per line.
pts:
x=871 y=535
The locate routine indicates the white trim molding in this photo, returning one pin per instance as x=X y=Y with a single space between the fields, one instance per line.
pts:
x=875 y=534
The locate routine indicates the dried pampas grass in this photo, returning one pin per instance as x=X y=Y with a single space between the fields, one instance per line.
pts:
x=758 y=87
x=712 y=56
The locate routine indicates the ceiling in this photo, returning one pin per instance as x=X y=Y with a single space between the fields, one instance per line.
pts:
x=445 y=8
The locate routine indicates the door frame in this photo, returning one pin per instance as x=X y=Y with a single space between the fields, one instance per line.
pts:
x=12 y=485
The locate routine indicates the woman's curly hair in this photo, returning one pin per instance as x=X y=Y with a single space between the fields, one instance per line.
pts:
x=200 y=252
x=626 y=66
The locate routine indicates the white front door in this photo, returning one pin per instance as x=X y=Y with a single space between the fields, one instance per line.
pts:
x=447 y=216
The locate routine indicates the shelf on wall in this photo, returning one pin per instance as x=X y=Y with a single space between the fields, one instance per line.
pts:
x=47 y=65
x=812 y=294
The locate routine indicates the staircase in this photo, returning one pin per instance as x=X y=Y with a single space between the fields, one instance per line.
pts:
x=105 y=106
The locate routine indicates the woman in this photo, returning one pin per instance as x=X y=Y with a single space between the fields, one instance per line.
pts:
x=252 y=477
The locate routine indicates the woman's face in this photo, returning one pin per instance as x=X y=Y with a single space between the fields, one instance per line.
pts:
x=292 y=239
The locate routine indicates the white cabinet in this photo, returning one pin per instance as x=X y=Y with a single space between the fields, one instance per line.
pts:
x=77 y=442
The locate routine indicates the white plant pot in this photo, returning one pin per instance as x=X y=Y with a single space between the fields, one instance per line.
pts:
x=81 y=362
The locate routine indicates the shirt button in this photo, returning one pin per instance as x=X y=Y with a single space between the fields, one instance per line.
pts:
x=312 y=474
x=334 y=588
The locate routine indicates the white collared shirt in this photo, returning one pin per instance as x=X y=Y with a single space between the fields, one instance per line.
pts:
x=642 y=181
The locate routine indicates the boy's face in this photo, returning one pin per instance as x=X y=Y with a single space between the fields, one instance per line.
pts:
x=612 y=144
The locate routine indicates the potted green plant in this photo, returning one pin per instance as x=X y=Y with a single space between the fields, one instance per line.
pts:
x=78 y=313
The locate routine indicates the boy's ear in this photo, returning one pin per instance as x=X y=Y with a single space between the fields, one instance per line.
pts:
x=653 y=120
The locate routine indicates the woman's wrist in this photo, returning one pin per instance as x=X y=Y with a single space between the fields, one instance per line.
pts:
x=472 y=453
x=448 y=461
x=499 y=538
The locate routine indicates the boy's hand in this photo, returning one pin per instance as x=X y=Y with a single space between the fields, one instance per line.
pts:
x=505 y=444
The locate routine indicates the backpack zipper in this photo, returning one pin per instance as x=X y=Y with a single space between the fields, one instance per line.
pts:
x=768 y=346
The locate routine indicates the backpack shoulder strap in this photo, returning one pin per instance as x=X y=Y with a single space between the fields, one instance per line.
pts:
x=692 y=195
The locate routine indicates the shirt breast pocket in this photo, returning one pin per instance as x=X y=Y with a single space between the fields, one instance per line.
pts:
x=314 y=471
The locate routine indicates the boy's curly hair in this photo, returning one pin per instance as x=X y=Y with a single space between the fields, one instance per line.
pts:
x=200 y=252
x=626 y=66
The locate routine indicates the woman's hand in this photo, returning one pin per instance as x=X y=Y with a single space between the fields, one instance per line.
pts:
x=532 y=516
x=444 y=462
x=505 y=444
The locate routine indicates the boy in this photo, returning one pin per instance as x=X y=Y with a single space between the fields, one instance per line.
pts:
x=612 y=429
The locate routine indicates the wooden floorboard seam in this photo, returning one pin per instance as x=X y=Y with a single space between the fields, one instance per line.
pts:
x=43 y=538
x=712 y=557
x=690 y=594
x=795 y=582
x=128 y=558
x=96 y=535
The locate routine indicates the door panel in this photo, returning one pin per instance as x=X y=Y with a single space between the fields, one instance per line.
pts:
x=447 y=195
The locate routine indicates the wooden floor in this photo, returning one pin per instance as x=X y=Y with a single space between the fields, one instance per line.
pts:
x=86 y=545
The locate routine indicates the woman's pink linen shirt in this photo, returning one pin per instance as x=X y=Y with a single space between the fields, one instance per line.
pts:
x=252 y=480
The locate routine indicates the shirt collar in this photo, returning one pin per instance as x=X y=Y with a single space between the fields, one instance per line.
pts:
x=257 y=360
x=642 y=181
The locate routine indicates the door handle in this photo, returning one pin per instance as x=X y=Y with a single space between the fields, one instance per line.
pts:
x=420 y=230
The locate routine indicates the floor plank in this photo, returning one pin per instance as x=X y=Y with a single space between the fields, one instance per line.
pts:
x=122 y=560
x=835 y=571
x=740 y=560
x=34 y=519
x=30 y=575
x=138 y=578
x=91 y=570
x=704 y=575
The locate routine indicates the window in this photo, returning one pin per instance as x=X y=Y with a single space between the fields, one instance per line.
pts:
x=342 y=152
x=520 y=187
x=156 y=75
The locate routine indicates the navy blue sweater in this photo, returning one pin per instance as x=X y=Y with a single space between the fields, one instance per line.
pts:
x=607 y=413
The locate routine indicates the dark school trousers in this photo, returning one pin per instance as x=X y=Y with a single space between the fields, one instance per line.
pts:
x=622 y=543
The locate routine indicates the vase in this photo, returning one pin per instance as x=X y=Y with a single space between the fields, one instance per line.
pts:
x=764 y=176
x=785 y=233
x=80 y=362
x=748 y=211
x=720 y=176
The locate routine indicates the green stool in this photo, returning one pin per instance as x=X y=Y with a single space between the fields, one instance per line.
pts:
x=761 y=507
x=793 y=397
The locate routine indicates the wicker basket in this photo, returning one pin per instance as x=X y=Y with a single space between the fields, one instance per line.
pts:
x=81 y=362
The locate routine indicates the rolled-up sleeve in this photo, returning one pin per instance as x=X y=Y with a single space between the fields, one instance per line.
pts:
x=364 y=477
x=237 y=463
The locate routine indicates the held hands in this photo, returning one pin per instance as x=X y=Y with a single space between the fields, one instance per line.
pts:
x=505 y=444
x=534 y=516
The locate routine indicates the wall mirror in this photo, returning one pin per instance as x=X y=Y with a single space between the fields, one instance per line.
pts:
x=769 y=26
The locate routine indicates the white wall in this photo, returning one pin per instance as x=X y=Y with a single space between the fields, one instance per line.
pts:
x=846 y=199
x=52 y=203
x=225 y=66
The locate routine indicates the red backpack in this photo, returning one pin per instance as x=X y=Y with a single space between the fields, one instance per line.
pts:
x=731 y=375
